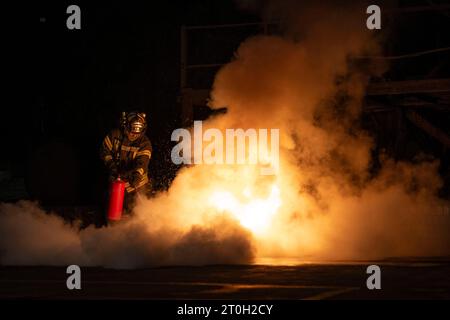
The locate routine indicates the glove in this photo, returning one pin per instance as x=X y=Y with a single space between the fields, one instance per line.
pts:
x=125 y=175
x=132 y=177
x=135 y=178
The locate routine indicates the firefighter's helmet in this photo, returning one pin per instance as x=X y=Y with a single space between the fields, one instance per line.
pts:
x=134 y=122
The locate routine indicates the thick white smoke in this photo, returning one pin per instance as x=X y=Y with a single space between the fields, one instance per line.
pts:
x=332 y=206
x=305 y=84
x=29 y=236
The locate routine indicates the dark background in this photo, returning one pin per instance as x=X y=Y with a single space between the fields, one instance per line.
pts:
x=68 y=87
x=71 y=85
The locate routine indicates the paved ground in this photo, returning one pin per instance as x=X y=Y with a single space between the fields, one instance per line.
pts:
x=401 y=279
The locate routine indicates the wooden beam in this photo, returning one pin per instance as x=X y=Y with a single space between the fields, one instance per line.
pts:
x=409 y=86
x=426 y=126
x=434 y=7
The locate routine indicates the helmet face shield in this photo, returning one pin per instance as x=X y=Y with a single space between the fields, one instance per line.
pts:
x=135 y=125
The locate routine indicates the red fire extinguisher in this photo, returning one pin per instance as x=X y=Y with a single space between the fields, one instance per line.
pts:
x=116 y=196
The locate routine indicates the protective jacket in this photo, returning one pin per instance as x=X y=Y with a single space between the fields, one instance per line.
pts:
x=126 y=158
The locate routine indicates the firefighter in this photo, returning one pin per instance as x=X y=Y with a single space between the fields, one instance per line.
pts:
x=126 y=153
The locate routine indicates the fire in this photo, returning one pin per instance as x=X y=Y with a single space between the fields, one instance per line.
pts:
x=252 y=212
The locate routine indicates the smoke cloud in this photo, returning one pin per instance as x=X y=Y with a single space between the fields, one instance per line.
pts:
x=305 y=84
x=333 y=206
x=29 y=236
